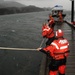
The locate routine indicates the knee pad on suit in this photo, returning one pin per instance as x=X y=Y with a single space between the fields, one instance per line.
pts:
x=62 y=69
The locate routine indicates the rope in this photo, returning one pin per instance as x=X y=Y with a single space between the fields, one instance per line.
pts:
x=7 y=48
x=42 y=43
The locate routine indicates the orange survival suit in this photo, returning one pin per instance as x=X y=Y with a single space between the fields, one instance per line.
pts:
x=59 y=51
x=60 y=17
x=48 y=32
x=51 y=21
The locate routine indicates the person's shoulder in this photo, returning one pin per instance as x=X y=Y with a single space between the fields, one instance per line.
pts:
x=65 y=39
x=55 y=41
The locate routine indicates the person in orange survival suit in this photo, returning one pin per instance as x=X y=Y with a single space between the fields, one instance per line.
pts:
x=60 y=17
x=59 y=51
x=48 y=32
x=51 y=21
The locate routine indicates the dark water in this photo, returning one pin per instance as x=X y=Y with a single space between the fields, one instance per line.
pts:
x=21 y=31
x=24 y=31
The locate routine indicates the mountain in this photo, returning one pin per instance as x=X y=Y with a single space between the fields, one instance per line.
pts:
x=14 y=10
x=10 y=4
x=31 y=8
x=11 y=7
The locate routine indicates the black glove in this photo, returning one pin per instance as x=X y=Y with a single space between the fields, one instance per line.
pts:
x=44 y=37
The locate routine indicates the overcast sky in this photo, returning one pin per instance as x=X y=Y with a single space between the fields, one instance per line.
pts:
x=46 y=3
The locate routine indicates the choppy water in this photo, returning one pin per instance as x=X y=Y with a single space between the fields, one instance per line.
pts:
x=23 y=30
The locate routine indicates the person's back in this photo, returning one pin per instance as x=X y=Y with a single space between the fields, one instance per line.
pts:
x=60 y=17
x=51 y=21
x=48 y=32
x=61 y=48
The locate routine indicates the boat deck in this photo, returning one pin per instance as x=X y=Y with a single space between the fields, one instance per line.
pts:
x=70 y=34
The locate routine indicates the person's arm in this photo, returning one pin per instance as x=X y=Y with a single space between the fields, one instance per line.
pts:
x=42 y=50
x=47 y=50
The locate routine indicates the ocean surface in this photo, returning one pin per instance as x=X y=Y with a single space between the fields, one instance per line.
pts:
x=24 y=31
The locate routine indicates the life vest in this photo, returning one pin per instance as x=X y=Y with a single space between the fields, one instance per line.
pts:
x=47 y=31
x=73 y=23
x=60 y=16
x=51 y=21
x=61 y=49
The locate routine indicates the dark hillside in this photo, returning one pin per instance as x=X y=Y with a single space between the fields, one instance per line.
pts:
x=32 y=9
x=6 y=4
x=9 y=7
x=13 y=10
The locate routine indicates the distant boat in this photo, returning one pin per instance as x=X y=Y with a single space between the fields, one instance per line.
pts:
x=56 y=9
